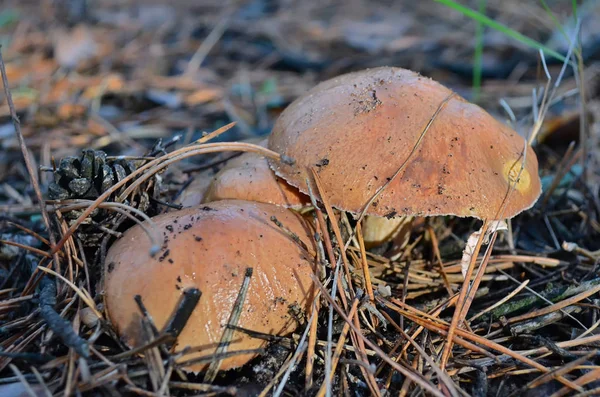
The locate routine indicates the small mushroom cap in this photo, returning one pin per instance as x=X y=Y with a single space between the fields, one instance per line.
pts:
x=248 y=177
x=195 y=193
x=209 y=248
x=357 y=130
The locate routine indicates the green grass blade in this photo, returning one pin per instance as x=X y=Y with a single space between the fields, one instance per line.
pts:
x=554 y=19
x=478 y=56
x=557 y=23
x=501 y=28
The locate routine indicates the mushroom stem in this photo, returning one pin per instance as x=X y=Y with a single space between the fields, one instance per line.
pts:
x=377 y=230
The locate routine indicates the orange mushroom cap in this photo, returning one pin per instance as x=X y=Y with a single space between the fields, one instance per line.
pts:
x=248 y=177
x=358 y=129
x=209 y=248
x=195 y=193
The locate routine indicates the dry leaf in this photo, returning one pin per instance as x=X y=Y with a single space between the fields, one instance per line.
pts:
x=472 y=243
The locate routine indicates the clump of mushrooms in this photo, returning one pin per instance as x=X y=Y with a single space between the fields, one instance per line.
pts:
x=390 y=144
x=209 y=248
x=383 y=142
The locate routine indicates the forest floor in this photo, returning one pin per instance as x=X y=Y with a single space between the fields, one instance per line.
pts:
x=143 y=78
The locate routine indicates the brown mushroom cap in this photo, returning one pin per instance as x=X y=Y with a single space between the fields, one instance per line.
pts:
x=209 y=248
x=195 y=193
x=357 y=130
x=248 y=177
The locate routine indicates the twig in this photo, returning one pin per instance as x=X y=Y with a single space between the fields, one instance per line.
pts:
x=302 y=344
x=206 y=46
x=336 y=228
x=544 y=378
x=159 y=340
x=185 y=307
x=328 y=356
x=33 y=250
x=360 y=353
x=330 y=371
x=501 y=301
x=556 y=306
x=442 y=376
x=548 y=97
x=365 y=265
x=438 y=257
x=28 y=231
x=59 y=325
x=201 y=387
x=583 y=380
x=80 y=292
x=148 y=225
x=55 y=322
x=23 y=381
x=443 y=330
x=312 y=340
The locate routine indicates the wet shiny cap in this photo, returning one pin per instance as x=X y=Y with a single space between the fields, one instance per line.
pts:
x=209 y=248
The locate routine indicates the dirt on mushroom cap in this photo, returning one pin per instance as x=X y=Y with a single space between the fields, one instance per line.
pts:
x=357 y=130
x=209 y=248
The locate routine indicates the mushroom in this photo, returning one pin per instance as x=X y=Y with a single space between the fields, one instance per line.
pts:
x=434 y=152
x=248 y=177
x=210 y=248
x=194 y=194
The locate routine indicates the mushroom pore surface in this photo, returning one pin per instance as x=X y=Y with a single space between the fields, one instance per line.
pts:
x=209 y=248
x=358 y=129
